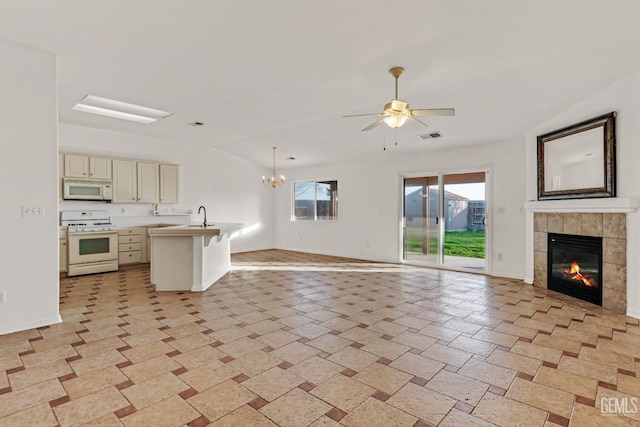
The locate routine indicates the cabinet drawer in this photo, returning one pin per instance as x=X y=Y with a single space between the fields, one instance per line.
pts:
x=129 y=231
x=130 y=257
x=126 y=247
x=129 y=239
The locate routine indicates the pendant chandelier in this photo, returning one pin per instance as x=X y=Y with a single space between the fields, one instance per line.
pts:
x=273 y=181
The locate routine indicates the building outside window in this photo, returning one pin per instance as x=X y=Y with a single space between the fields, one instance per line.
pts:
x=315 y=201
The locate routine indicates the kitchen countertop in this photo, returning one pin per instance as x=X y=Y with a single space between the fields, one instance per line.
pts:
x=215 y=229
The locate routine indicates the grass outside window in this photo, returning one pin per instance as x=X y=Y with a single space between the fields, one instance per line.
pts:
x=468 y=244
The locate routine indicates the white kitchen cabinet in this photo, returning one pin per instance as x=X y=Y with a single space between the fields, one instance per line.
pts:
x=130 y=245
x=60 y=175
x=76 y=166
x=80 y=166
x=169 y=184
x=99 y=168
x=148 y=183
x=133 y=181
x=125 y=188
x=64 y=254
x=148 y=254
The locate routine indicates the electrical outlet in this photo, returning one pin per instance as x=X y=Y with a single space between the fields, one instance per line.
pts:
x=3 y=296
x=32 y=211
x=498 y=256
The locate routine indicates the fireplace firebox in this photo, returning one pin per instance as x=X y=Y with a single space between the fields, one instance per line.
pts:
x=574 y=266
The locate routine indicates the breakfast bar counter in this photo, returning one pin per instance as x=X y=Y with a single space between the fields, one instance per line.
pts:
x=190 y=257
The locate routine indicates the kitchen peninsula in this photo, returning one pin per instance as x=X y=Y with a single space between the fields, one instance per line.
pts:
x=190 y=257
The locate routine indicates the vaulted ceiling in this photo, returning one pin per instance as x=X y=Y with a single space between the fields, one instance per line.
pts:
x=284 y=72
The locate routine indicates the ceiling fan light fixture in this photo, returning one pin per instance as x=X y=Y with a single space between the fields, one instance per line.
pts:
x=397 y=105
x=396 y=112
x=396 y=120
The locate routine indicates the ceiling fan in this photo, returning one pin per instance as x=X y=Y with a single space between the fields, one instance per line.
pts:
x=397 y=112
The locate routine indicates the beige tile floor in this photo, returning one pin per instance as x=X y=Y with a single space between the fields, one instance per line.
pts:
x=294 y=339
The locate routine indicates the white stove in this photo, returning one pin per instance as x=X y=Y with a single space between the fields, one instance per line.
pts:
x=86 y=221
x=93 y=242
x=83 y=227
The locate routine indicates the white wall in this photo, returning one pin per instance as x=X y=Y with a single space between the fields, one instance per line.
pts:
x=369 y=204
x=28 y=171
x=227 y=186
x=623 y=96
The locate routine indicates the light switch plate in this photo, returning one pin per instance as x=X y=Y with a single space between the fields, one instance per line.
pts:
x=32 y=211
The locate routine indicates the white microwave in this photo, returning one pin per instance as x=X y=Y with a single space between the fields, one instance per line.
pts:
x=86 y=189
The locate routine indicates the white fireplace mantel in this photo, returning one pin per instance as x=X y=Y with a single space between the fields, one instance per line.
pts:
x=605 y=205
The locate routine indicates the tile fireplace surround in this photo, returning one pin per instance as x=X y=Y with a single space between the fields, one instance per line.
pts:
x=612 y=227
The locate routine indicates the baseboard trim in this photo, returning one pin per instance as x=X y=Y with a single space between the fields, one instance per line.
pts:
x=338 y=254
x=508 y=276
x=394 y=261
x=633 y=312
x=31 y=324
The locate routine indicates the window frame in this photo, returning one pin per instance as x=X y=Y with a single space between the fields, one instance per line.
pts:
x=333 y=198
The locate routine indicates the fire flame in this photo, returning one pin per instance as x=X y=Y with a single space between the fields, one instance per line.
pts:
x=574 y=273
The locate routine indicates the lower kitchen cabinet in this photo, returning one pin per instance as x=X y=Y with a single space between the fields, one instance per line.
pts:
x=64 y=254
x=130 y=245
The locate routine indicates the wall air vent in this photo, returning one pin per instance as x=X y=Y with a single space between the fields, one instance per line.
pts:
x=430 y=135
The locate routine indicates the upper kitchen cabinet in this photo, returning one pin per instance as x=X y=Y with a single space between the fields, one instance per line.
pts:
x=148 y=183
x=99 y=168
x=133 y=181
x=169 y=184
x=79 y=166
x=76 y=166
x=125 y=187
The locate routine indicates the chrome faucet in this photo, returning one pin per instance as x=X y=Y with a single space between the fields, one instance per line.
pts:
x=204 y=223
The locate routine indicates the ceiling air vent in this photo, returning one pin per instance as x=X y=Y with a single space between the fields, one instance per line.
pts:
x=430 y=135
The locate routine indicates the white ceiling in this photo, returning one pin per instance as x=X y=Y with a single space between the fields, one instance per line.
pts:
x=284 y=72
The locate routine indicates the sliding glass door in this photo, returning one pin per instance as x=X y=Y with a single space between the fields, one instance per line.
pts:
x=444 y=220
x=421 y=230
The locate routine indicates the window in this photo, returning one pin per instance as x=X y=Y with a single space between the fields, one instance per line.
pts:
x=315 y=200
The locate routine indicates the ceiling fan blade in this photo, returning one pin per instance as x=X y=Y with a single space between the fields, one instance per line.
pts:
x=374 y=124
x=419 y=121
x=361 y=115
x=434 y=112
x=398 y=105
